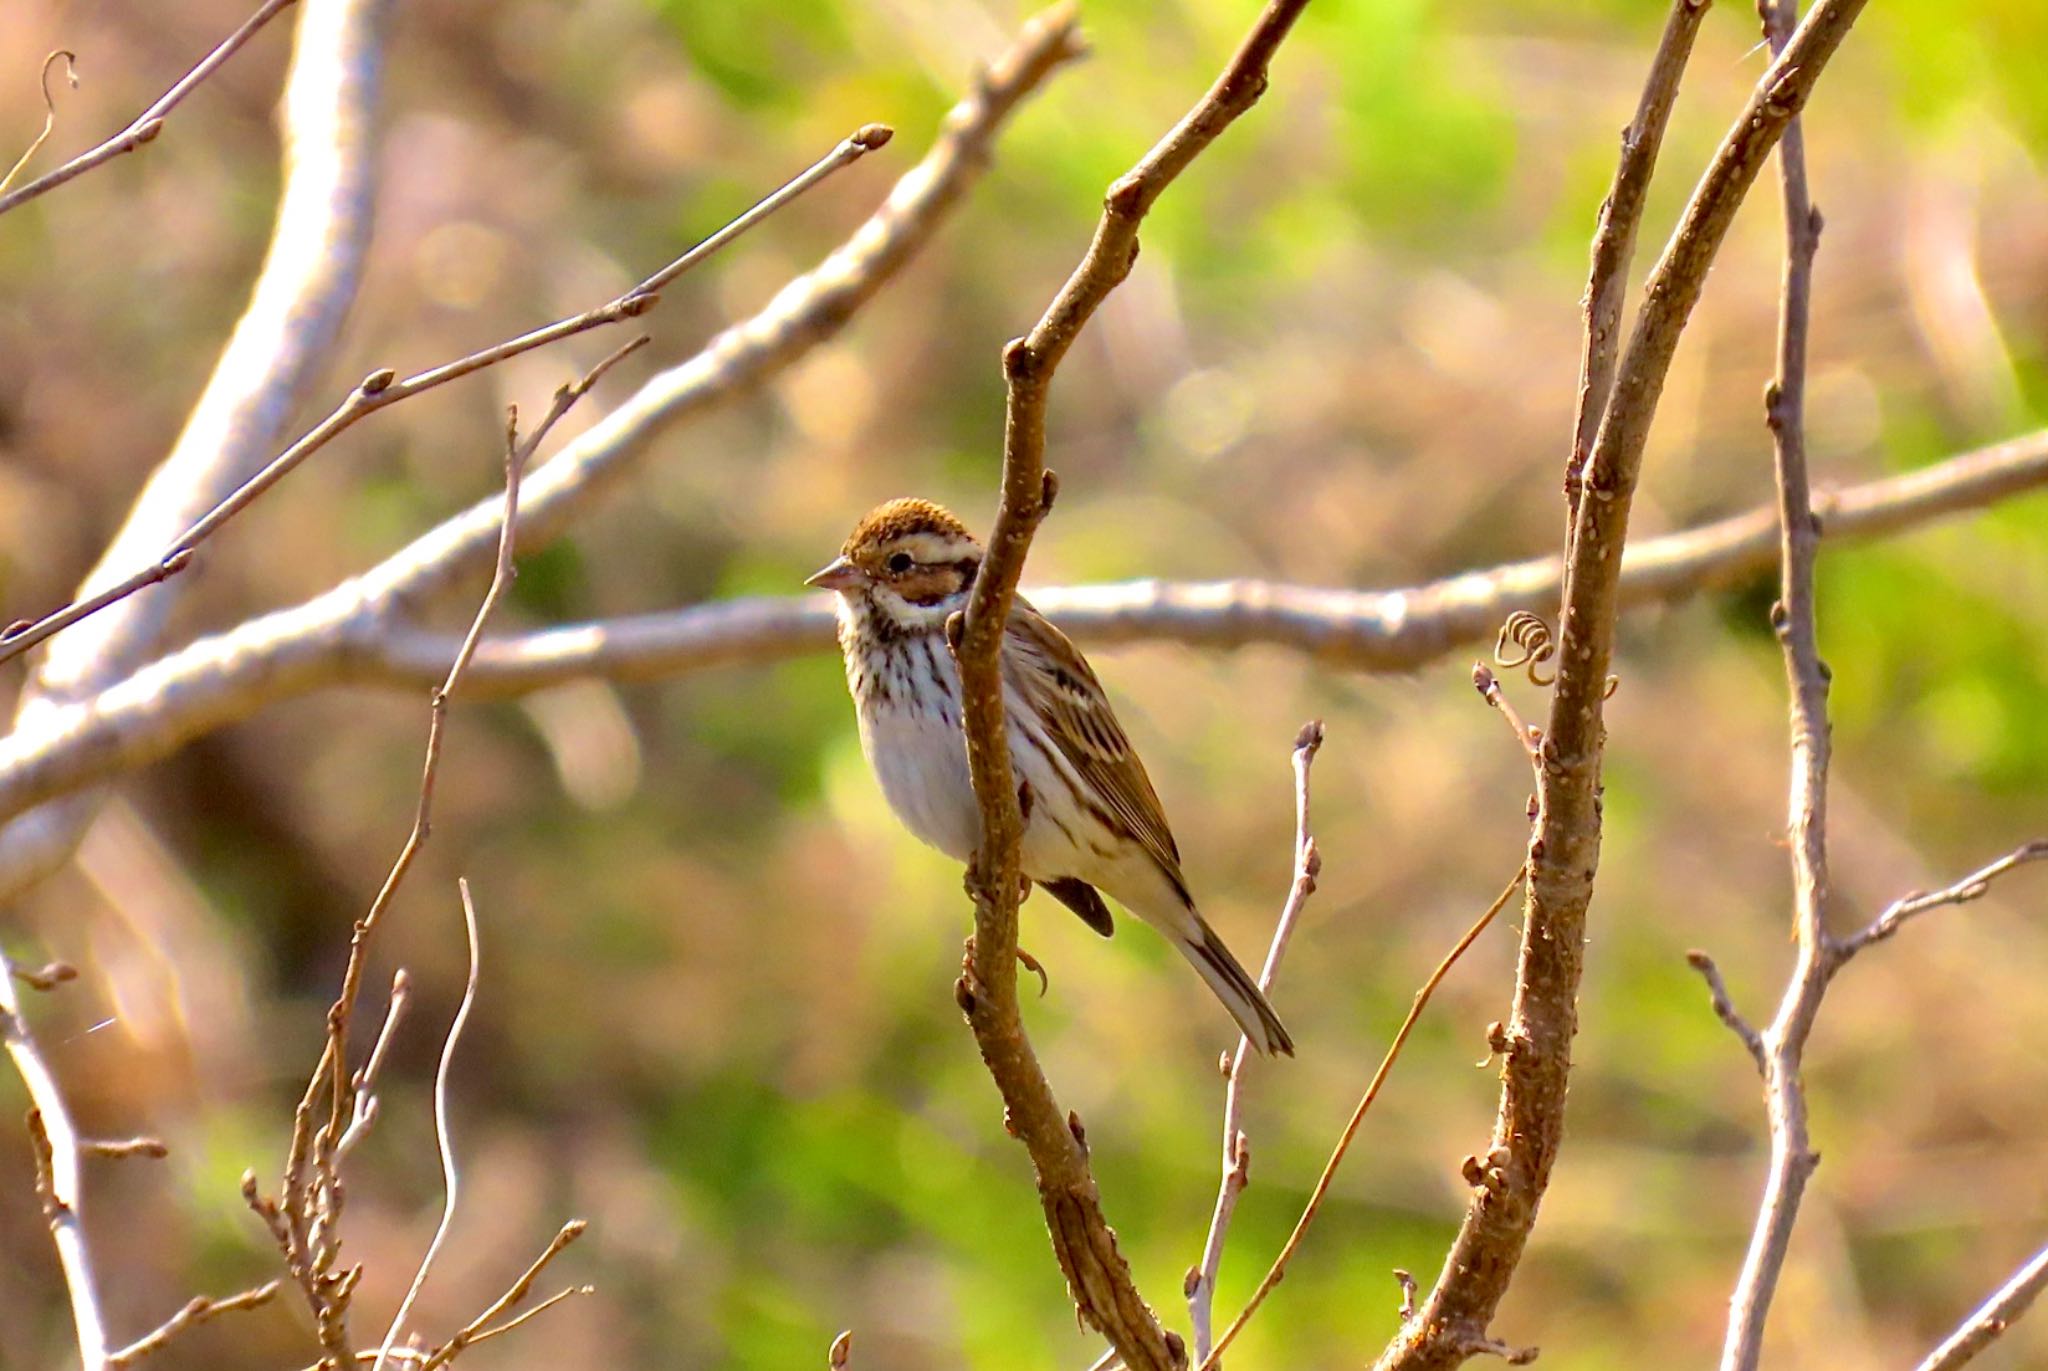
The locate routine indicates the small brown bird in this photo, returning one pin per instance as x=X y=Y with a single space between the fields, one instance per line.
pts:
x=1094 y=822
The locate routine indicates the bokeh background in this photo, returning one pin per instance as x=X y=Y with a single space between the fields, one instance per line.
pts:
x=716 y=1016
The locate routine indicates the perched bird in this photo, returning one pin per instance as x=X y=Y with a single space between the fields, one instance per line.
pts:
x=1093 y=823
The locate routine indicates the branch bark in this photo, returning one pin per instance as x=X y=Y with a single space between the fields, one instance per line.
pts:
x=1096 y=1273
x=1564 y=849
x=337 y=639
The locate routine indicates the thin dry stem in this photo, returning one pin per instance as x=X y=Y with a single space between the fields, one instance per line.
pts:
x=1097 y=1276
x=480 y=1327
x=70 y=60
x=1308 y=864
x=198 y=1310
x=147 y=125
x=1365 y=1103
x=444 y=1142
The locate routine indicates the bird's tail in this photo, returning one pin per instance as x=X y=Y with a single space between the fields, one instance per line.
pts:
x=1235 y=987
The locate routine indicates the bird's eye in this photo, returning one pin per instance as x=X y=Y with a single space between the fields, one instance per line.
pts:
x=899 y=563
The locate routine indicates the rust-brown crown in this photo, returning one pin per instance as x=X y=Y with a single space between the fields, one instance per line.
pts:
x=899 y=518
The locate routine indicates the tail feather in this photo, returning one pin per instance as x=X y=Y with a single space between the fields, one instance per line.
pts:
x=1234 y=986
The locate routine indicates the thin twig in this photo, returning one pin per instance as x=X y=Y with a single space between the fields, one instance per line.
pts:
x=1528 y=735
x=479 y=1327
x=1564 y=847
x=363 y=1114
x=49 y=113
x=382 y=389
x=196 y=1311
x=1097 y=1276
x=55 y=1141
x=148 y=124
x=1971 y=887
x=1365 y=1103
x=1992 y=1318
x=1724 y=1007
x=444 y=1143
x=1200 y=1287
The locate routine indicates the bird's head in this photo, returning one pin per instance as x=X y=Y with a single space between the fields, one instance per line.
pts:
x=910 y=559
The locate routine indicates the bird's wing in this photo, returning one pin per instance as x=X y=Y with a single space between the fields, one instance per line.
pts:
x=1054 y=681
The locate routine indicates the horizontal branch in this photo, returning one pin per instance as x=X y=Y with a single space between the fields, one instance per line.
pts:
x=338 y=639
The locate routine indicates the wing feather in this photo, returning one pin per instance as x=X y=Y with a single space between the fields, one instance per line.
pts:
x=1054 y=681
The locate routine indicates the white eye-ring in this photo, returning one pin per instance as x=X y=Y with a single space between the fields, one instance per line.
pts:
x=899 y=563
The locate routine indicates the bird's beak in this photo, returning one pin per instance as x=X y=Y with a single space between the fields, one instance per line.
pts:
x=839 y=574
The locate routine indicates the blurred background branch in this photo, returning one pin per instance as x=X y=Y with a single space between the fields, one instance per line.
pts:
x=227 y=677
x=301 y=296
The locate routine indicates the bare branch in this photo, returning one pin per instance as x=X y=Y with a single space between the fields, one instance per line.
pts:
x=1478 y=1174
x=480 y=1327
x=1781 y=1047
x=335 y=625
x=1971 y=887
x=55 y=1141
x=1614 y=240
x=1564 y=848
x=363 y=1113
x=1992 y=1318
x=381 y=389
x=148 y=124
x=451 y=1174
x=1097 y=1276
x=196 y=1311
x=1200 y=1287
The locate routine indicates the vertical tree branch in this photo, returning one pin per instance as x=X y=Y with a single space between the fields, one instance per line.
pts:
x=1564 y=850
x=1792 y=1158
x=1614 y=240
x=1096 y=1273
